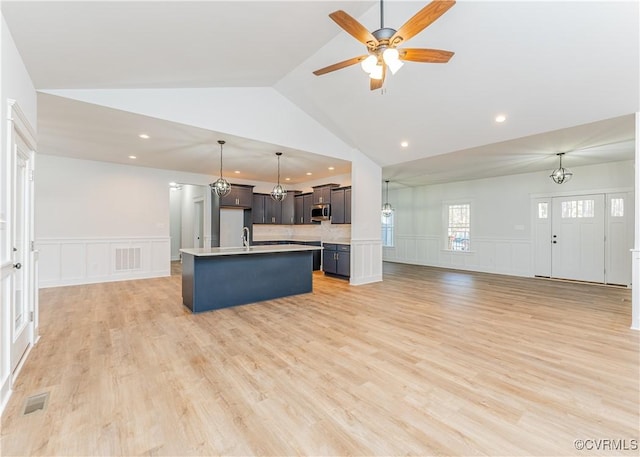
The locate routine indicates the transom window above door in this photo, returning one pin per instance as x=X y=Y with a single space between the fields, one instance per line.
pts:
x=578 y=208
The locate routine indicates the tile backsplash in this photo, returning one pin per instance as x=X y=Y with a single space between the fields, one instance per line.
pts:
x=325 y=231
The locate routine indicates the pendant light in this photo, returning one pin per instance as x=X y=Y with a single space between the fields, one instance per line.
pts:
x=560 y=175
x=278 y=193
x=387 y=210
x=221 y=186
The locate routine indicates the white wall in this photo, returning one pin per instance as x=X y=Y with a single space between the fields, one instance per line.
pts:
x=501 y=225
x=87 y=212
x=15 y=84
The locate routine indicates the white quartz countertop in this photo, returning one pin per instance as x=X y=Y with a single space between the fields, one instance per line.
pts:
x=343 y=241
x=203 y=252
x=287 y=238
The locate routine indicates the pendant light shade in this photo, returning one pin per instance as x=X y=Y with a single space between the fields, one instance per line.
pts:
x=221 y=187
x=278 y=193
x=560 y=175
x=387 y=209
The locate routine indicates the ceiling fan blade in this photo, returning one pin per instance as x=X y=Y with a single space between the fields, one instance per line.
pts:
x=340 y=65
x=354 y=28
x=421 y=20
x=425 y=55
x=377 y=83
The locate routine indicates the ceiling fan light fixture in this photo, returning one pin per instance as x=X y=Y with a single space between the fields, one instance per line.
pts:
x=376 y=73
x=369 y=63
x=395 y=65
x=390 y=55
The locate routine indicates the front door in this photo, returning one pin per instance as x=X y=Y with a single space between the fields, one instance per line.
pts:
x=577 y=241
x=20 y=288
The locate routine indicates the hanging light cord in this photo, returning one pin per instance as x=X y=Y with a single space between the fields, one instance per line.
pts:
x=278 y=170
x=221 y=143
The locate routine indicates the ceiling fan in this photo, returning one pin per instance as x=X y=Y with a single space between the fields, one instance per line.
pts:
x=382 y=44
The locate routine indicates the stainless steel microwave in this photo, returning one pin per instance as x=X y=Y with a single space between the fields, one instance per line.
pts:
x=321 y=212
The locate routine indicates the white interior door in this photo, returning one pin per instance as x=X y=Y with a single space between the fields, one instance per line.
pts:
x=20 y=297
x=578 y=238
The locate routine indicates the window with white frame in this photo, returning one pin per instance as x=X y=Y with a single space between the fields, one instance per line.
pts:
x=387 y=230
x=617 y=207
x=458 y=226
x=578 y=208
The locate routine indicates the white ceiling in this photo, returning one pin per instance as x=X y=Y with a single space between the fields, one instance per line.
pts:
x=110 y=135
x=550 y=67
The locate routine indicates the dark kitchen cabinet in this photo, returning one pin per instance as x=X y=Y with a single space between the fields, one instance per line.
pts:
x=299 y=209
x=341 y=205
x=288 y=211
x=268 y=211
x=336 y=259
x=303 y=204
x=347 y=205
x=257 y=208
x=240 y=196
x=322 y=194
x=272 y=211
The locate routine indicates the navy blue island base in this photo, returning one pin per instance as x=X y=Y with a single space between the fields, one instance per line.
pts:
x=224 y=279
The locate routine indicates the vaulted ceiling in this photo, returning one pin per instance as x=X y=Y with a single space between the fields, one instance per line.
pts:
x=565 y=75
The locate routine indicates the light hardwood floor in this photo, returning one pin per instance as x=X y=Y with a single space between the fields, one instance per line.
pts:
x=428 y=362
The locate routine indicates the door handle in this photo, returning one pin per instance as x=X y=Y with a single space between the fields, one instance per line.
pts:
x=17 y=266
x=554 y=242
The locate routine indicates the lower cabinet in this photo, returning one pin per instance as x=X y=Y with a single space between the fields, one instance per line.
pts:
x=336 y=259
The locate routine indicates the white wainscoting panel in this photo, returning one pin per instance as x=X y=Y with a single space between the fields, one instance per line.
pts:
x=74 y=261
x=366 y=261
x=489 y=255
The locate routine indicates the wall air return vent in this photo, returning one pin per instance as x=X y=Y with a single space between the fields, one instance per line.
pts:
x=128 y=259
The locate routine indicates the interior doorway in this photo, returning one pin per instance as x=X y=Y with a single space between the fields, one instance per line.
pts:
x=190 y=218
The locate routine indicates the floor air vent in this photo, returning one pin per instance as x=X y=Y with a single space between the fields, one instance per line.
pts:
x=36 y=403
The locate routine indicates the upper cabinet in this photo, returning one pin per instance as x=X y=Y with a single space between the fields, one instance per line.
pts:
x=258 y=214
x=341 y=205
x=240 y=196
x=322 y=194
x=303 y=205
x=268 y=211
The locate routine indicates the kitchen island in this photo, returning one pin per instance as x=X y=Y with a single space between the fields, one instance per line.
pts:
x=214 y=278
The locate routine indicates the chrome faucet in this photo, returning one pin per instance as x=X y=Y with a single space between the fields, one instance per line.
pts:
x=245 y=237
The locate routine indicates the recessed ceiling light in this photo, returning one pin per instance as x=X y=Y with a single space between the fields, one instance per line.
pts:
x=332 y=168
x=237 y=172
x=173 y=183
x=404 y=144
x=132 y=157
x=144 y=136
x=287 y=179
x=309 y=173
x=501 y=118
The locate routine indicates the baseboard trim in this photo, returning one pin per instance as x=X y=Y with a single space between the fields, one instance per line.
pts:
x=83 y=281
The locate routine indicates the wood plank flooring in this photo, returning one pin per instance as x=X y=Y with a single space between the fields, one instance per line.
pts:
x=428 y=362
